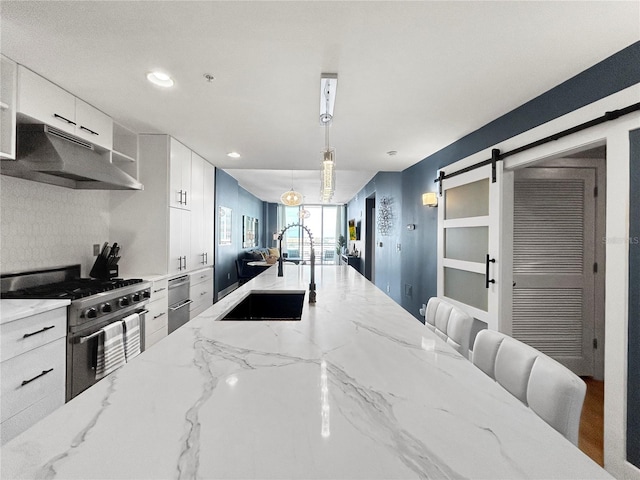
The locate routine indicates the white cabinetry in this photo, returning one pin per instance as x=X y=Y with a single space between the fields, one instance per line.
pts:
x=200 y=291
x=125 y=150
x=180 y=176
x=7 y=108
x=155 y=326
x=202 y=211
x=156 y=235
x=32 y=369
x=43 y=101
x=180 y=258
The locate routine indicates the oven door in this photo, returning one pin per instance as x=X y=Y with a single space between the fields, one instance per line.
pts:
x=82 y=352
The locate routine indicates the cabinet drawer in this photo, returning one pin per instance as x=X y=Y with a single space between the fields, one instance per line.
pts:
x=17 y=424
x=156 y=319
x=30 y=367
x=201 y=292
x=159 y=290
x=154 y=338
x=40 y=329
x=200 y=276
x=42 y=100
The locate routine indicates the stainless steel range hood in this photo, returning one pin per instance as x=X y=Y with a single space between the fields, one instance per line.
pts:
x=46 y=154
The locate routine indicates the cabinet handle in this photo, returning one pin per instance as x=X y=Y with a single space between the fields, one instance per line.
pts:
x=159 y=315
x=82 y=127
x=203 y=293
x=185 y=197
x=180 y=192
x=44 y=372
x=60 y=117
x=159 y=290
x=185 y=262
x=486 y=271
x=26 y=335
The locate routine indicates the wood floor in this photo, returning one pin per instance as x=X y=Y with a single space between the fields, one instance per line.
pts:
x=591 y=435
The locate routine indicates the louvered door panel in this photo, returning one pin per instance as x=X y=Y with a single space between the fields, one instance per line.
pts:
x=553 y=255
x=549 y=319
x=548 y=230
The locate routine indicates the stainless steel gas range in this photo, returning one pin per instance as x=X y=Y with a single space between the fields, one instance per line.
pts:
x=94 y=305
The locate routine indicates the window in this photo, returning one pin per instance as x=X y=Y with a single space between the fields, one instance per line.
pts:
x=326 y=223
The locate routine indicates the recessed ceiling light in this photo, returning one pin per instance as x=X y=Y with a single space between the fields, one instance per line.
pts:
x=233 y=155
x=160 y=78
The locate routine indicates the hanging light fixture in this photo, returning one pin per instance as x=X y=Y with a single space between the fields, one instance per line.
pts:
x=328 y=84
x=291 y=198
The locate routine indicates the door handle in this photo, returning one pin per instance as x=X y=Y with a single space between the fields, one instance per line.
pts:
x=488 y=260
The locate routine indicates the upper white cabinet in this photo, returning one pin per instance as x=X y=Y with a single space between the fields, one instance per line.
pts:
x=180 y=176
x=93 y=125
x=45 y=102
x=202 y=211
x=8 y=70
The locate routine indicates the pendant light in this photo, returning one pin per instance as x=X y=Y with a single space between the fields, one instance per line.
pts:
x=328 y=84
x=291 y=198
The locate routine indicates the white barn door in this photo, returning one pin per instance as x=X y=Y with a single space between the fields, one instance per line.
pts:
x=468 y=242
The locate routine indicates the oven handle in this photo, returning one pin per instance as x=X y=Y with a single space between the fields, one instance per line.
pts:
x=183 y=304
x=95 y=334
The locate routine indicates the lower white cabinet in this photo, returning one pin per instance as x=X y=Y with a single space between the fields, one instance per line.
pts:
x=32 y=371
x=155 y=324
x=200 y=291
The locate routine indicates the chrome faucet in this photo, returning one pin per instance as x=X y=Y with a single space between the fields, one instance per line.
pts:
x=312 y=282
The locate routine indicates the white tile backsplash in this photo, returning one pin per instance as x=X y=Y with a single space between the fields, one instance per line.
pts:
x=45 y=226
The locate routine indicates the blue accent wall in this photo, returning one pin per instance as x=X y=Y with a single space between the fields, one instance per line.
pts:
x=415 y=269
x=387 y=257
x=633 y=371
x=229 y=194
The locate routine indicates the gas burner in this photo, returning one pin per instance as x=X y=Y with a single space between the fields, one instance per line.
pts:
x=72 y=289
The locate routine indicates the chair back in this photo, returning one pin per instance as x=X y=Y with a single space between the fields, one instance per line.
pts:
x=450 y=323
x=550 y=389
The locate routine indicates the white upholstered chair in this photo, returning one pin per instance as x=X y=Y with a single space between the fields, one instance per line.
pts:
x=450 y=323
x=550 y=389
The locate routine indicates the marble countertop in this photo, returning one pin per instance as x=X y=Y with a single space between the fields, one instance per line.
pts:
x=11 y=310
x=358 y=388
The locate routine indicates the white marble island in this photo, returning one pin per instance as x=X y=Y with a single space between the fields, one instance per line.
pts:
x=356 y=389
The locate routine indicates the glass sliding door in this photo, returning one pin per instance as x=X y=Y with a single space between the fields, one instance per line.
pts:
x=326 y=223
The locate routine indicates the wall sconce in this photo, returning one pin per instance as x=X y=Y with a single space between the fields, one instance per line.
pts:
x=430 y=199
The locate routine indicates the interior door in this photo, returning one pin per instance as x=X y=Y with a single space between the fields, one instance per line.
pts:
x=554 y=263
x=468 y=242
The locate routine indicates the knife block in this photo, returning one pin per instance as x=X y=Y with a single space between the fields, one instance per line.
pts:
x=101 y=270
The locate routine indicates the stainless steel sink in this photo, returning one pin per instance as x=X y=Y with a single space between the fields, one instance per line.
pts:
x=269 y=306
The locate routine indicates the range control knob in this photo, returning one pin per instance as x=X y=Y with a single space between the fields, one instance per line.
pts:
x=136 y=297
x=105 y=308
x=123 y=302
x=90 y=313
x=146 y=294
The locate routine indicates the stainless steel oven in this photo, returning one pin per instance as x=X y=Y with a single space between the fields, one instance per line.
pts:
x=82 y=348
x=95 y=303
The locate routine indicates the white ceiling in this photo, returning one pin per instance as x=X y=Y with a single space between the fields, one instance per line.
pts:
x=412 y=76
